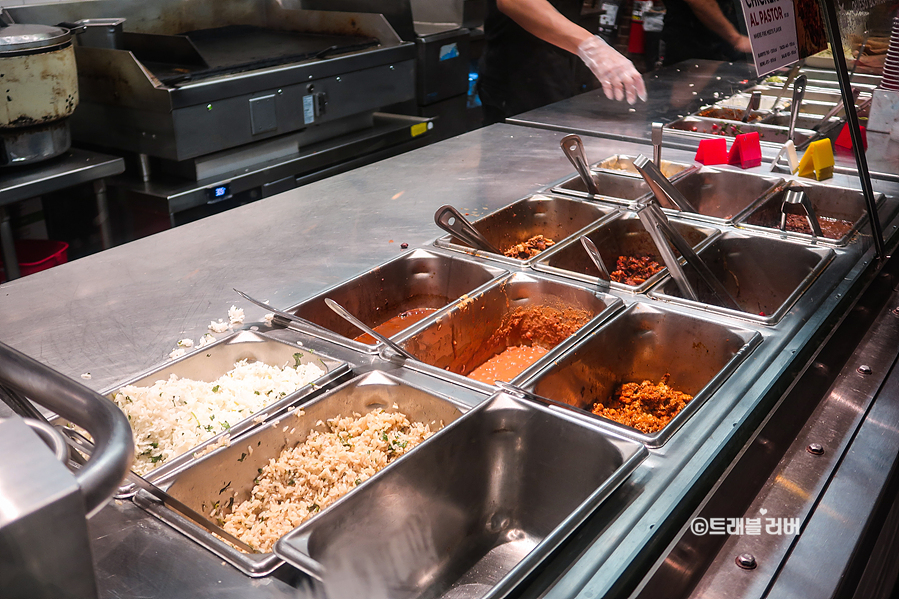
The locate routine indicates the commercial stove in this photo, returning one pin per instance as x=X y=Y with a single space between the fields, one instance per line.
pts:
x=213 y=102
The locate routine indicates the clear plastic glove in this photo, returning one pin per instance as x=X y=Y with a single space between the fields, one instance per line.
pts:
x=616 y=73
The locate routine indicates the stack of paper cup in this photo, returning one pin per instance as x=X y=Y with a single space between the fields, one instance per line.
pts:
x=891 y=66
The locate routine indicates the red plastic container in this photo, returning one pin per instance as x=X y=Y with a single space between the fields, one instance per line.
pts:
x=35 y=255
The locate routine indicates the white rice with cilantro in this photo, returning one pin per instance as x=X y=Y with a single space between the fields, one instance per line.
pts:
x=175 y=415
x=306 y=479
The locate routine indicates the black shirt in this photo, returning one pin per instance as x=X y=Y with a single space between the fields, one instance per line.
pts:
x=520 y=72
x=686 y=37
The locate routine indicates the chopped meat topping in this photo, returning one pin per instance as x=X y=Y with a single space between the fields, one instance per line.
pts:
x=634 y=270
x=529 y=248
x=644 y=406
x=831 y=228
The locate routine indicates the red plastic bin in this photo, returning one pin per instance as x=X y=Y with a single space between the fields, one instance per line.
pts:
x=35 y=255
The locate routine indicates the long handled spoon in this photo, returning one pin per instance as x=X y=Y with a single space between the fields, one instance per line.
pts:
x=346 y=315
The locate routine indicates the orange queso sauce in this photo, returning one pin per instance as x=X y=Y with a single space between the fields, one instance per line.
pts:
x=397 y=324
x=507 y=365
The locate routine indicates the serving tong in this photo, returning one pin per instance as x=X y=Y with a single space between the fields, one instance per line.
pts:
x=755 y=100
x=798 y=197
x=653 y=219
x=833 y=111
x=657 y=130
x=792 y=75
x=798 y=95
x=660 y=185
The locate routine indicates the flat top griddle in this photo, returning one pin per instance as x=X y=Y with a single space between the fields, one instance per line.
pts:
x=239 y=48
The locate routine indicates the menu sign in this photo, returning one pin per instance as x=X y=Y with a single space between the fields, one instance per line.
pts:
x=771 y=25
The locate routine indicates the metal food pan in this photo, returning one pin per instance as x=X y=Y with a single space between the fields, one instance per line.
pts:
x=418 y=279
x=803 y=121
x=620 y=164
x=230 y=473
x=830 y=75
x=763 y=274
x=815 y=101
x=617 y=186
x=827 y=79
x=816 y=95
x=645 y=343
x=553 y=217
x=721 y=196
x=471 y=513
x=730 y=113
x=623 y=236
x=214 y=360
x=467 y=336
x=807 y=108
x=702 y=128
x=741 y=99
x=828 y=202
x=835 y=85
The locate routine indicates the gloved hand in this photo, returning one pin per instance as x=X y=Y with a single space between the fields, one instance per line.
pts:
x=615 y=72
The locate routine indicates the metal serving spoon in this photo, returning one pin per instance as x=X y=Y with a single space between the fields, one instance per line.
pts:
x=346 y=315
x=593 y=252
x=452 y=221
x=573 y=148
x=307 y=326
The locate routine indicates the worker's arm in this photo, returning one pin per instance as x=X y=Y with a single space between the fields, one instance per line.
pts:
x=617 y=75
x=709 y=14
x=541 y=19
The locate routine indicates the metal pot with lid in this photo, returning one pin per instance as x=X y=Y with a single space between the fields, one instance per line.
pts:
x=39 y=80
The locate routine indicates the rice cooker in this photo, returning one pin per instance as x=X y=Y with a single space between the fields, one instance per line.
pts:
x=39 y=80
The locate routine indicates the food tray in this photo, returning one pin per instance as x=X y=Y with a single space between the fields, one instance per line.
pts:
x=463 y=338
x=828 y=202
x=231 y=472
x=618 y=186
x=472 y=512
x=210 y=362
x=623 y=236
x=721 y=196
x=765 y=275
x=620 y=164
x=418 y=279
x=830 y=76
x=695 y=127
x=815 y=101
x=554 y=217
x=647 y=342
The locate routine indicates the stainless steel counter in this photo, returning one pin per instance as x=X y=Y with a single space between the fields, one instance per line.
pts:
x=119 y=312
x=123 y=310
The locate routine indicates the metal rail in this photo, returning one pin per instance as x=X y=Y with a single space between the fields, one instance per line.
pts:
x=114 y=446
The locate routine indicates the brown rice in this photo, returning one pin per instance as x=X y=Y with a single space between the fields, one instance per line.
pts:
x=308 y=478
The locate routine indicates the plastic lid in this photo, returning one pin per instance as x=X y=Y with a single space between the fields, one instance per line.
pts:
x=14 y=38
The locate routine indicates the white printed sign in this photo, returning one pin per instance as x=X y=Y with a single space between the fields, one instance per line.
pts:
x=771 y=25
